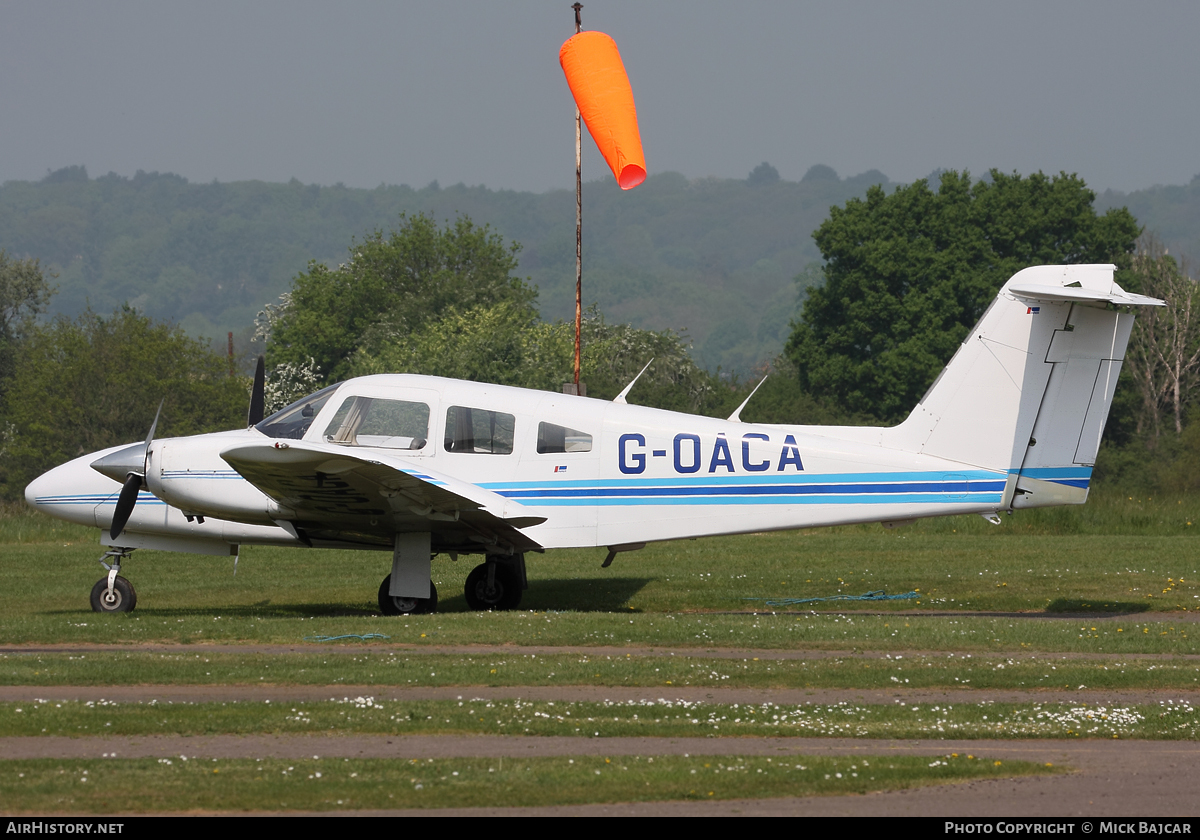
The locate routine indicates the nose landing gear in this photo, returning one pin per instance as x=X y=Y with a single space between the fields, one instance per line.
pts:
x=114 y=594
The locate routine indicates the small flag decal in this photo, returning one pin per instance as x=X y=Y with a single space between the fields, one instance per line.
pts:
x=1033 y=310
x=560 y=469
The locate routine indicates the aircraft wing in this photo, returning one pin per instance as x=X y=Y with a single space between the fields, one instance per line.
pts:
x=337 y=493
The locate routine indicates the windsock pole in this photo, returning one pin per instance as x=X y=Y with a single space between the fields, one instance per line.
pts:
x=578 y=7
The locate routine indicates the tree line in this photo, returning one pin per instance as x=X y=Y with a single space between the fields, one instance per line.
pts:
x=716 y=254
x=71 y=386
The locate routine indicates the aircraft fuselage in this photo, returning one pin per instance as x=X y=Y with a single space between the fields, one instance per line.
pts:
x=620 y=474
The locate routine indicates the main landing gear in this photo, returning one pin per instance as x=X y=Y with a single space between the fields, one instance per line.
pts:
x=114 y=594
x=496 y=584
x=396 y=605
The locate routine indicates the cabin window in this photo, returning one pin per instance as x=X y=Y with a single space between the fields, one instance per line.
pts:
x=479 y=430
x=291 y=422
x=555 y=438
x=387 y=424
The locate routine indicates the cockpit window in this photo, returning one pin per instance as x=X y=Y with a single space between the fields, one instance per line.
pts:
x=479 y=431
x=388 y=424
x=293 y=421
x=555 y=438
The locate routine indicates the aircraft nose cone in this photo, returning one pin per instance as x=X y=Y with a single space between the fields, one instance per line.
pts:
x=118 y=465
x=36 y=488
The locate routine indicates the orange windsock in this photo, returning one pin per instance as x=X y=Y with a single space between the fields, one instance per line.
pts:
x=601 y=89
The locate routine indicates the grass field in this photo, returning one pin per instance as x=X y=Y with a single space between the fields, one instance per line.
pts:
x=1103 y=597
x=177 y=784
x=661 y=718
x=512 y=666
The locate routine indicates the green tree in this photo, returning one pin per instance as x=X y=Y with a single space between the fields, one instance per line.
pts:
x=24 y=294
x=87 y=383
x=507 y=344
x=612 y=354
x=394 y=284
x=908 y=274
x=497 y=344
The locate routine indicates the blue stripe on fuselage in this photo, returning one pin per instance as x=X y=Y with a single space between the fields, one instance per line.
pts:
x=947 y=477
x=968 y=487
x=863 y=499
x=768 y=490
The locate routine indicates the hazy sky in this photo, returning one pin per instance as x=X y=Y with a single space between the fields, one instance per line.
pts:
x=409 y=92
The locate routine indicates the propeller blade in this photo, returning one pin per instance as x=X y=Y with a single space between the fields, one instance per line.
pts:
x=257 y=394
x=154 y=425
x=125 y=503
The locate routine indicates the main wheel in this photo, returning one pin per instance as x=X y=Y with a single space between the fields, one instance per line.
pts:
x=395 y=605
x=123 y=598
x=504 y=594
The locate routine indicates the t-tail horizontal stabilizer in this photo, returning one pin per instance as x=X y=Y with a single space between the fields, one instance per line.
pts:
x=1029 y=390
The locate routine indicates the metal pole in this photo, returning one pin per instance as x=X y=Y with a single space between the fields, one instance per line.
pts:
x=578 y=217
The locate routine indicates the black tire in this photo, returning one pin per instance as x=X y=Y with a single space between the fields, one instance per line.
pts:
x=392 y=605
x=124 y=596
x=505 y=593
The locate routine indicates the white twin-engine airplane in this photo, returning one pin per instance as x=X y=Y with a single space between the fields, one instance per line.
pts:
x=421 y=466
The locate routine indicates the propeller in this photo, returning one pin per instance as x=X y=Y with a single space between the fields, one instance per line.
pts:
x=257 y=394
x=129 y=467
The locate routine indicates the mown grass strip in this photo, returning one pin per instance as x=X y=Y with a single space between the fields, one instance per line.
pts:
x=44 y=786
x=658 y=718
x=513 y=668
x=1139 y=634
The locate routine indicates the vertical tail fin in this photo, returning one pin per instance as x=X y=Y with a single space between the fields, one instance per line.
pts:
x=1029 y=390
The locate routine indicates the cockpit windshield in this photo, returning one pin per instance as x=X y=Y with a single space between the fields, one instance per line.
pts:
x=293 y=421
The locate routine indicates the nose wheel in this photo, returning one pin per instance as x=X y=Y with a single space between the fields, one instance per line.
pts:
x=112 y=593
x=120 y=598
